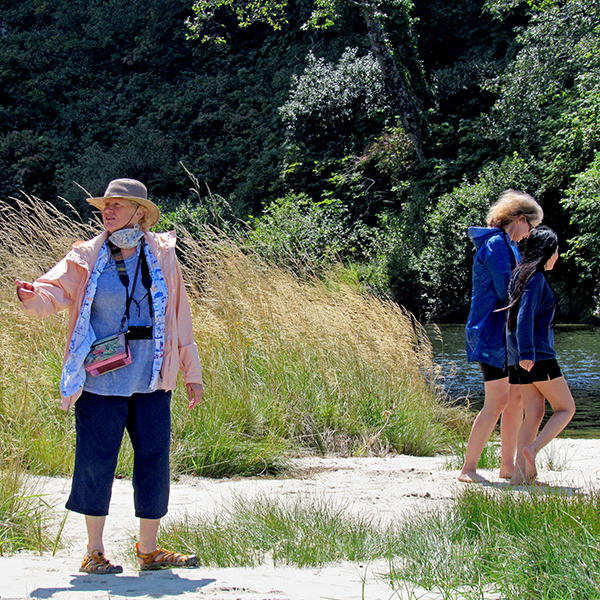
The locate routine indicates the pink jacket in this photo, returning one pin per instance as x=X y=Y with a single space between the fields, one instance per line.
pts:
x=63 y=287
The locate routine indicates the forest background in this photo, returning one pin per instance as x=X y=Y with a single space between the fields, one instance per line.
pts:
x=365 y=135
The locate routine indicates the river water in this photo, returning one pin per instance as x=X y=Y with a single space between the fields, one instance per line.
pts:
x=578 y=350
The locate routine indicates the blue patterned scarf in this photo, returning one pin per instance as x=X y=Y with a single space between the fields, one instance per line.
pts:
x=73 y=373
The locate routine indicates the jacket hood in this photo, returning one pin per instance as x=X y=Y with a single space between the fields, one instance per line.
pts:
x=479 y=235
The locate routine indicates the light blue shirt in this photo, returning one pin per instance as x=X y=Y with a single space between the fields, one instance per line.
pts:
x=107 y=311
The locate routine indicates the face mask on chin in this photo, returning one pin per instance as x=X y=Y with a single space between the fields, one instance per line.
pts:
x=126 y=238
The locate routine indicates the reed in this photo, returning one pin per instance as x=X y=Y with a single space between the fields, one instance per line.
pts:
x=33 y=237
x=290 y=365
x=308 y=364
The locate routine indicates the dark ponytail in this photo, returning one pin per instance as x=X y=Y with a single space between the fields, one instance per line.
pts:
x=539 y=247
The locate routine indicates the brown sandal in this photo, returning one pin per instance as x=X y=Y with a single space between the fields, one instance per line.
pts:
x=161 y=558
x=98 y=564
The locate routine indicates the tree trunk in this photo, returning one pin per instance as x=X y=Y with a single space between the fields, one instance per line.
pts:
x=393 y=80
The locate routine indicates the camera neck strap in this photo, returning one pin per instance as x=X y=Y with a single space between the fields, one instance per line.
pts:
x=124 y=277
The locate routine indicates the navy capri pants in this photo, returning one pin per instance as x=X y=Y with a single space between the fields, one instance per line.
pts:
x=100 y=422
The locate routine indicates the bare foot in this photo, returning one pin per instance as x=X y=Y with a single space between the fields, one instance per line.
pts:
x=531 y=475
x=529 y=455
x=530 y=470
x=518 y=477
x=527 y=478
x=471 y=477
x=520 y=480
x=506 y=472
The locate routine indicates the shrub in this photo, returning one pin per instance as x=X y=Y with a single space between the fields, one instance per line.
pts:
x=584 y=206
x=302 y=235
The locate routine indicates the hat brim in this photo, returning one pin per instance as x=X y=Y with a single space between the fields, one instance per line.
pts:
x=153 y=214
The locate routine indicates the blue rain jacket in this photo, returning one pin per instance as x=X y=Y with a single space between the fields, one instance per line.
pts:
x=533 y=337
x=495 y=258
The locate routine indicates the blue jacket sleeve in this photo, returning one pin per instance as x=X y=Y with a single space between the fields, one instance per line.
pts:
x=530 y=301
x=499 y=259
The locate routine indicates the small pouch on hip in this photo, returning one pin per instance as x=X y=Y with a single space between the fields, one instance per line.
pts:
x=108 y=354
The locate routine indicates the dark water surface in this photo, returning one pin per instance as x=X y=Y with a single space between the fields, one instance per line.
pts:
x=578 y=350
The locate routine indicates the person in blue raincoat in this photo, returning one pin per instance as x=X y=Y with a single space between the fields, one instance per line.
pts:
x=509 y=221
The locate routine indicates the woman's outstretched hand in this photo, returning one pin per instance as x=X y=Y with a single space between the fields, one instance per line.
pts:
x=25 y=290
x=195 y=391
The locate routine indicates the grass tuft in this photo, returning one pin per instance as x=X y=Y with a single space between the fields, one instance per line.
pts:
x=301 y=532
x=485 y=543
x=24 y=514
x=537 y=544
x=490 y=458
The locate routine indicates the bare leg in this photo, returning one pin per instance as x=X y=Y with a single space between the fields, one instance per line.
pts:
x=510 y=424
x=151 y=557
x=559 y=396
x=496 y=399
x=534 y=407
x=95 y=531
x=148 y=535
x=95 y=561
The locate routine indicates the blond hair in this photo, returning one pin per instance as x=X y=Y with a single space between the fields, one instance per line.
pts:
x=143 y=222
x=512 y=205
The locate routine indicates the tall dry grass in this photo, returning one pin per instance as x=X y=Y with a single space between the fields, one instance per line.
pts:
x=290 y=366
x=33 y=237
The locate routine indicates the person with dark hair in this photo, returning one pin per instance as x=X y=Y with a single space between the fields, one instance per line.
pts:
x=531 y=356
x=509 y=220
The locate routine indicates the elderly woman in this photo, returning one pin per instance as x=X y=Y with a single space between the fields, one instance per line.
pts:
x=509 y=220
x=531 y=356
x=130 y=331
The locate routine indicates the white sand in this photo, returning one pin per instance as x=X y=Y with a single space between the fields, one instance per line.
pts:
x=385 y=488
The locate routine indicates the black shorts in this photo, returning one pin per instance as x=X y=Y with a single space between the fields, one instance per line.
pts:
x=543 y=370
x=491 y=373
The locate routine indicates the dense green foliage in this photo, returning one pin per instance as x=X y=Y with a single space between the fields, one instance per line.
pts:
x=381 y=130
x=584 y=205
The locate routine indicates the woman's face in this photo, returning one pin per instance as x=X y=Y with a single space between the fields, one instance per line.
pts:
x=551 y=261
x=119 y=213
x=519 y=228
x=522 y=228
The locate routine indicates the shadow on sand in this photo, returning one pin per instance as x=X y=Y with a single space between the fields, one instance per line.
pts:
x=167 y=584
x=536 y=487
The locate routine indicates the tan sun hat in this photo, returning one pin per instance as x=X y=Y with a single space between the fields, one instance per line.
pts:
x=129 y=189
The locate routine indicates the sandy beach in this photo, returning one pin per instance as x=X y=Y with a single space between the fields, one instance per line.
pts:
x=386 y=488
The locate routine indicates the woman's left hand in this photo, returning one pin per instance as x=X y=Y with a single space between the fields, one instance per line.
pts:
x=195 y=391
x=526 y=364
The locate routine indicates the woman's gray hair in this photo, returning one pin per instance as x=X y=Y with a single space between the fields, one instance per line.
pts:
x=512 y=205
